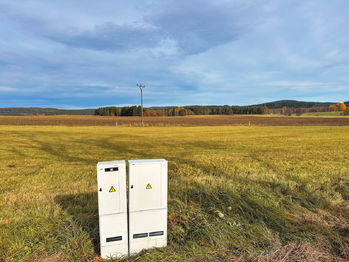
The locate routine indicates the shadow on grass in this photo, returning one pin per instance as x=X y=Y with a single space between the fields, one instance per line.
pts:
x=83 y=209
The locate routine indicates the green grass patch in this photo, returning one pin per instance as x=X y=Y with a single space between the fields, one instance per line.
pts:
x=327 y=114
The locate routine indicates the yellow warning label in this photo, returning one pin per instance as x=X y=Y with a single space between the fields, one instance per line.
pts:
x=148 y=186
x=112 y=189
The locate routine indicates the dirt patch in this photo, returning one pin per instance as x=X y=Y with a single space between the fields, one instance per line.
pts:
x=53 y=258
x=174 y=121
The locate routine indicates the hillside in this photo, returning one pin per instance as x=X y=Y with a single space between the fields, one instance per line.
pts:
x=294 y=104
x=18 y=111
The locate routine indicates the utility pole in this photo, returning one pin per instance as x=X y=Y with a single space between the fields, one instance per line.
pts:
x=141 y=88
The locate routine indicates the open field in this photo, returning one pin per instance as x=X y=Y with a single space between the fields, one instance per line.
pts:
x=235 y=192
x=324 y=114
x=211 y=120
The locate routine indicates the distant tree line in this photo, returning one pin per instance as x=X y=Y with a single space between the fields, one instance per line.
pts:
x=221 y=110
x=295 y=104
x=181 y=111
x=288 y=111
x=119 y=111
x=226 y=110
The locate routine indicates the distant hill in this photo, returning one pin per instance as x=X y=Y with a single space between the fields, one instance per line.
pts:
x=20 y=111
x=294 y=104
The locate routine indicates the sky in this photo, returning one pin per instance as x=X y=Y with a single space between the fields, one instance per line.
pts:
x=87 y=54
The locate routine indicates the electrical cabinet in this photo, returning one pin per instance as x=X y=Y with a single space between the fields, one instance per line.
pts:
x=112 y=209
x=147 y=183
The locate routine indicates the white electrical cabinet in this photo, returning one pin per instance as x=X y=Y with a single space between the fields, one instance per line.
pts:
x=112 y=209
x=147 y=182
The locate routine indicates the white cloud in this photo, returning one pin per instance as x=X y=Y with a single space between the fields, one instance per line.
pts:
x=7 y=89
x=220 y=52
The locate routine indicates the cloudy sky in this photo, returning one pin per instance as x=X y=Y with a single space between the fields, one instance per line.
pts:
x=82 y=54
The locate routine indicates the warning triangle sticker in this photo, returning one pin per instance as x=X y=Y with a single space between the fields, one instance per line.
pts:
x=148 y=186
x=112 y=189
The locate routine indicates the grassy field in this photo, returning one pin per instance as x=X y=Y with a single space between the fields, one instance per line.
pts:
x=235 y=192
x=325 y=114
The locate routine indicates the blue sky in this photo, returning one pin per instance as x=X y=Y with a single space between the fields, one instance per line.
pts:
x=85 y=54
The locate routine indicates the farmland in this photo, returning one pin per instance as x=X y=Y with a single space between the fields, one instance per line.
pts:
x=324 y=114
x=254 y=193
x=208 y=120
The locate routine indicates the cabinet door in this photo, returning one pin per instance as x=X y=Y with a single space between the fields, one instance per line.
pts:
x=147 y=185
x=111 y=189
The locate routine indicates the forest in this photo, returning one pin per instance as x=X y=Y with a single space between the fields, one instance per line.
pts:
x=180 y=111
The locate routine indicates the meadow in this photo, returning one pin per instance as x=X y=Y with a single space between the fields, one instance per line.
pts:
x=247 y=193
x=324 y=114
